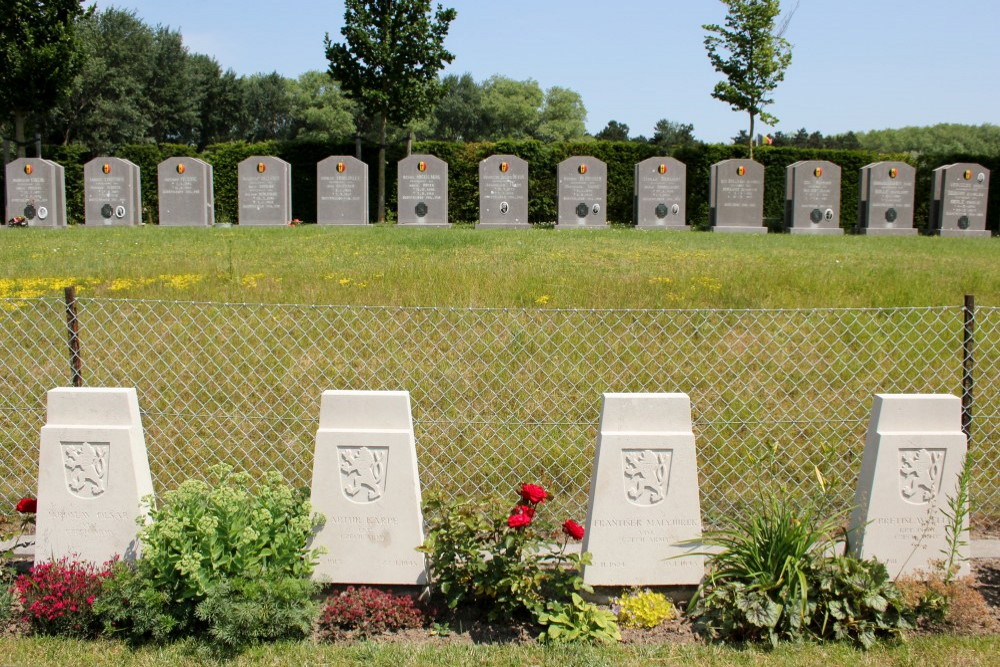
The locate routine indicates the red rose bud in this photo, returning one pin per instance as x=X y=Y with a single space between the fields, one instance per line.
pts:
x=573 y=529
x=525 y=509
x=518 y=520
x=533 y=493
x=27 y=506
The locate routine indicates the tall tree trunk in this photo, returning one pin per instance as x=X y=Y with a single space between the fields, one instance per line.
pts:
x=357 y=144
x=19 y=118
x=751 y=136
x=381 y=167
x=409 y=143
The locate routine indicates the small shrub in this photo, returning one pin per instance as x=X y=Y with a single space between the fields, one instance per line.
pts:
x=577 y=620
x=247 y=611
x=643 y=609
x=366 y=611
x=58 y=596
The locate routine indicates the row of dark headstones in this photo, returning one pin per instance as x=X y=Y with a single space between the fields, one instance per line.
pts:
x=36 y=191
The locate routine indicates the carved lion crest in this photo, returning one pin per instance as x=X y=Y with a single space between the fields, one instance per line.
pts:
x=362 y=472
x=85 y=465
x=646 y=475
x=920 y=474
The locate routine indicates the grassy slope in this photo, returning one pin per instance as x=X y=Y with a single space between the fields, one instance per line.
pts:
x=536 y=268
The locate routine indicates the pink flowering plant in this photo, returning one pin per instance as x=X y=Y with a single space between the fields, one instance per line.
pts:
x=58 y=597
x=509 y=563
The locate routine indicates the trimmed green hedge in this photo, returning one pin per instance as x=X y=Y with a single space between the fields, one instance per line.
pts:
x=463 y=174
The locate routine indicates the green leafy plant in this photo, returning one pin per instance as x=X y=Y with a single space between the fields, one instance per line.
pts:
x=508 y=564
x=578 y=620
x=643 y=609
x=366 y=611
x=776 y=578
x=956 y=527
x=228 y=558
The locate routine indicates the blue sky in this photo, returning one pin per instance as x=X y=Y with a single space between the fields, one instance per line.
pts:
x=856 y=64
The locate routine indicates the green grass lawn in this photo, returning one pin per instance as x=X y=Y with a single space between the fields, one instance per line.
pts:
x=936 y=650
x=386 y=265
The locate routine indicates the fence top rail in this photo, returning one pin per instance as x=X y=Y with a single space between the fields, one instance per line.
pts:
x=317 y=306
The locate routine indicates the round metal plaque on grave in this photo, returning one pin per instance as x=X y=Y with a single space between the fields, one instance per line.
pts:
x=420 y=209
x=596 y=208
x=816 y=215
x=504 y=207
x=42 y=212
x=107 y=211
x=661 y=211
x=29 y=212
x=120 y=212
x=891 y=215
x=963 y=222
x=581 y=210
x=828 y=214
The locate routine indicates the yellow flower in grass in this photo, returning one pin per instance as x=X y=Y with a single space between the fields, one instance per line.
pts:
x=344 y=281
x=660 y=280
x=251 y=279
x=181 y=281
x=709 y=283
x=543 y=299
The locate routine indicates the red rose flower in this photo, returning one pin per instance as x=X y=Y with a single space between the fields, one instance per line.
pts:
x=27 y=505
x=573 y=529
x=532 y=493
x=518 y=520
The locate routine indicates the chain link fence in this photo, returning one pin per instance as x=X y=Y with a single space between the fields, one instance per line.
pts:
x=781 y=398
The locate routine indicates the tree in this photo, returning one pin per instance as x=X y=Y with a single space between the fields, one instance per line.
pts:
x=389 y=62
x=321 y=112
x=613 y=131
x=667 y=134
x=751 y=52
x=563 y=116
x=38 y=57
x=458 y=116
x=511 y=109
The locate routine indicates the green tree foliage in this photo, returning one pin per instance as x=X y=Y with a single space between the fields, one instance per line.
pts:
x=511 y=109
x=667 y=134
x=613 y=131
x=752 y=55
x=268 y=102
x=458 y=115
x=38 y=57
x=389 y=61
x=563 y=116
x=320 y=110
x=935 y=140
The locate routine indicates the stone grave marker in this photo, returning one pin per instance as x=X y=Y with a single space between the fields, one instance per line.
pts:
x=341 y=191
x=812 y=197
x=914 y=452
x=660 y=195
x=186 y=192
x=736 y=197
x=36 y=189
x=422 y=191
x=503 y=193
x=92 y=476
x=885 y=199
x=365 y=483
x=265 y=191
x=644 y=496
x=113 y=193
x=583 y=193
x=958 y=200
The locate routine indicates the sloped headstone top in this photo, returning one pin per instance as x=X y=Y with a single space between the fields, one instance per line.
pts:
x=36 y=190
x=812 y=204
x=961 y=192
x=265 y=191
x=736 y=197
x=112 y=188
x=886 y=193
x=186 y=192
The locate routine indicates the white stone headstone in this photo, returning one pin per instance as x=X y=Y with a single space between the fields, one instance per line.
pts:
x=92 y=475
x=644 y=497
x=913 y=456
x=365 y=484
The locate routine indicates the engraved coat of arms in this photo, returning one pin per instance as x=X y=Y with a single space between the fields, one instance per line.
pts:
x=85 y=465
x=362 y=472
x=920 y=474
x=646 y=475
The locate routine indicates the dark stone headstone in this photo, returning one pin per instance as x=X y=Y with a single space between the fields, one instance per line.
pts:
x=36 y=189
x=422 y=191
x=659 y=199
x=958 y=200
x=885 y=199
x=736 y=197
x=503 y=192
x=265 y=191
x=113 y=193
x=812 y=197
x=583 y=193
x=341 y=191
x=186 y=192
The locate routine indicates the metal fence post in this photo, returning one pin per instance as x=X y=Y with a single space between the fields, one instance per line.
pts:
x=968 y=362
x=73 y=327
